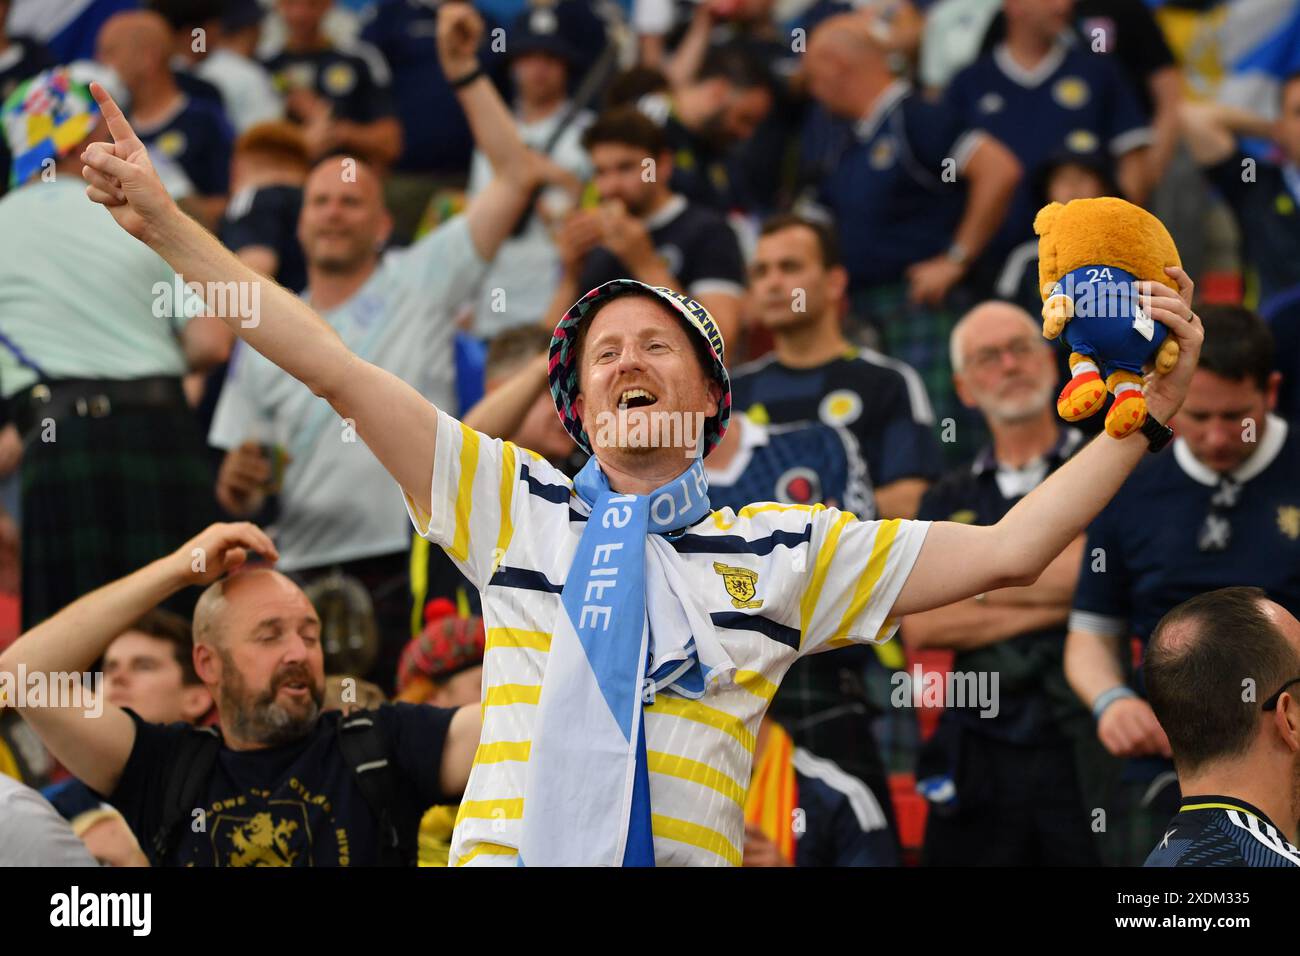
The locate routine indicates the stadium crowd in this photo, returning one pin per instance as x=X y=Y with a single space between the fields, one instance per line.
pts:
x=848 y=187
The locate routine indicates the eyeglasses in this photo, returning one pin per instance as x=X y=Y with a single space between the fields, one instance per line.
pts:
x=1271 y=703
x=987 y=357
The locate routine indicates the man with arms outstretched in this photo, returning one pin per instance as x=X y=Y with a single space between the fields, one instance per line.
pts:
x=635 y=637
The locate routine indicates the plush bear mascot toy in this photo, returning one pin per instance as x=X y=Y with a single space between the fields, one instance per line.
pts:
x=1092 y=254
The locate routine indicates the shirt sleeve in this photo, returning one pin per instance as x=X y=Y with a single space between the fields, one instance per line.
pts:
x=259 y=222
x=444 y=265
x=475 y=500
x=937 y=133
x=900 y=444
x=714 y=263
x=376 y=95
x=856 y=572
x=1101 y=597
x=33 y=834
x=418 y=733
x=140 y=791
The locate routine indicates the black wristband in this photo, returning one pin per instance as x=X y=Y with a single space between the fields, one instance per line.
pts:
x=1157 y=435
x=467 y=79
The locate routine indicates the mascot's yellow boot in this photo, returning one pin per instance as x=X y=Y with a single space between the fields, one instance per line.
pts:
x=1084 y=394
x=1129 y=410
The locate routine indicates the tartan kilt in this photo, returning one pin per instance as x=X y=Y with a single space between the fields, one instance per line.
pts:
x=106 y=497
x=918 y=335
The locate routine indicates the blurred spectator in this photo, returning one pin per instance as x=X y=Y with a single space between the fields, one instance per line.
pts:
x=915 y=198
x=706 y=117
x=798 y=286
x=396 y=310
x=113 y=469
x=341 y=94
x=1002 y=785
x=443 y=664
x=436 y=138
x=522 y=280
x=267 y=172
x=32 y=833
x=1039 y=90
x=201 y=48
x=20 y=58
x=192 y=133
x=643 y=230
x=843 y=822
x=150 y=669
x=1127 y=31
x=1230 y=747
x=1219 y=508
x=1264 y=196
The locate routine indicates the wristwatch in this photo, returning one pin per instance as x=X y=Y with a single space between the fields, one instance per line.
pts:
x=1157 y=435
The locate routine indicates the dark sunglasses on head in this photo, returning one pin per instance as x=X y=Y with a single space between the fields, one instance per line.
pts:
x=1271 y=703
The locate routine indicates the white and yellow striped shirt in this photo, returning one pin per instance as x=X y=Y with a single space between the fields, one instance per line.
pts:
x=511 y=523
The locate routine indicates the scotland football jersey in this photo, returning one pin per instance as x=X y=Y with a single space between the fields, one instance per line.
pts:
x=798 y=464
x=1222 y=831
x=1072 y=98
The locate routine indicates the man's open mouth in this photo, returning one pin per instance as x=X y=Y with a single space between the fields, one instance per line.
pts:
x=636 y=398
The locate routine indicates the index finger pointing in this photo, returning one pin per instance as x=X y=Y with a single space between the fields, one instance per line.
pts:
x=113 y=116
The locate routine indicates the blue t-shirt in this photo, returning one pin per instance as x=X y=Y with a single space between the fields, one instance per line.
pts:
x=801 y=464
x=1074 y=99
x=1149 y=538
x=881 y=401
x=268 y=216
x=355 y=81
x=892 y=181
x=293 y=805
x=198 y=138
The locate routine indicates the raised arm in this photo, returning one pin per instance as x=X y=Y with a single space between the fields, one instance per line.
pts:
x=958 y=561
x=392 y=418
x=95 y=745
x=515 y=170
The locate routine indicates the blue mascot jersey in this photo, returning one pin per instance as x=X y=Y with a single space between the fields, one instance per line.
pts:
x=1108 y=323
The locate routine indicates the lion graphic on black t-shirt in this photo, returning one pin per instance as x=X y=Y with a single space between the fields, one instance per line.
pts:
x=263 y=841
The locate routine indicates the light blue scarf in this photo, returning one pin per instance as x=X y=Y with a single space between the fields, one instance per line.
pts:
x=629 y=630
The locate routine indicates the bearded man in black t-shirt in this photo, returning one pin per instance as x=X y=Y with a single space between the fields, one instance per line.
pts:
x=278 y=789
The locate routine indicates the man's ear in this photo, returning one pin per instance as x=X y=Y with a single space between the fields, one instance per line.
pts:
x=206 y=665
x=837 y=283
x=1271 y=389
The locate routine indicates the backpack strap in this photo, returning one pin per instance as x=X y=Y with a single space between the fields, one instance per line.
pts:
x=366 y=749
x=191 y=769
